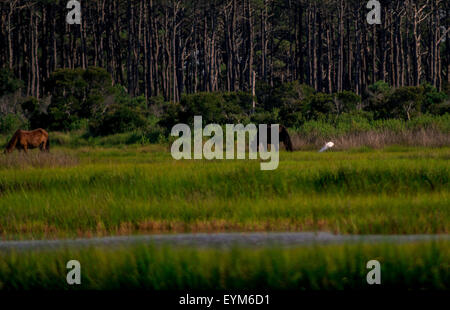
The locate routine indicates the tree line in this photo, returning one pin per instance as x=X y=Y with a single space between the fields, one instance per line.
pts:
x=173 y=47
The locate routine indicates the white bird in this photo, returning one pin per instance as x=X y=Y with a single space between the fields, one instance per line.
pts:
x=327 y=146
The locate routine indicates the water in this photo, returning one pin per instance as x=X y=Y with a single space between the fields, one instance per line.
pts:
x=221 y=240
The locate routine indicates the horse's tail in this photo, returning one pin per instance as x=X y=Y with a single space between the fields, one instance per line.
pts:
x=12 y=143
x=287 y=139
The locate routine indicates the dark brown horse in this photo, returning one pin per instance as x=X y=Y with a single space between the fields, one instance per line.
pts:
x=25 y=140
x=283 y=137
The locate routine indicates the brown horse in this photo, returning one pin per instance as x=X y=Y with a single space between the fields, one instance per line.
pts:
x=25 y=140
x=283 y=136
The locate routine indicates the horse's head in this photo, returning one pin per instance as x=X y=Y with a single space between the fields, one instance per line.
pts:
x=7 y=150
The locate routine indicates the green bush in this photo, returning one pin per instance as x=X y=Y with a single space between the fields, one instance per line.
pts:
x=237 y=106
x=30 y=106
x=85 y=101
x=32 y=109
x=171 y=115
x=79 y=125
x=320 y=105
x=346 y=102
x=11 y=122
x=404 y=102
x=265 y=117
x=118 y=119
x=380 y=87
x=151 y=134
x=434 y=102
x=290 y=99
x=76 y=94
x=156 y=100
x=209 y=105
x=218 y=107
x=376 y=98
x=288 y=94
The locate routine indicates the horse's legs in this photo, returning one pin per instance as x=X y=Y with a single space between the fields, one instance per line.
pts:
x=25 y=148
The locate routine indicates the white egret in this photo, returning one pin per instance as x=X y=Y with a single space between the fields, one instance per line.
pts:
x=327 y=146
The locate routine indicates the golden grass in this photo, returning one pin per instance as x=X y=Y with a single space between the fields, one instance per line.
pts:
x=37 y=159
x=375 y=139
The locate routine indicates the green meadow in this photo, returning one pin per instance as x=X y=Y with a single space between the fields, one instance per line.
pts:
x=101 y=191
x=423 y=265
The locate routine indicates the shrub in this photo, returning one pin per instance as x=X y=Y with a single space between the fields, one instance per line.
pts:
x=320 y=105
x=76 y=94
x=171 y=115
x=289 y=98
x=380 y=87
x=404 y=102
x=118 y=119
x=376 y=98
x=150 y=134
x=11 y=122
x=33 y=109
x=265 y=117
x=155 y=105
x=346 y=102
x=209 y=105
x=434 y=102
x=218 y=107
x=30 y=106
x=237 y=106
x=285 y=94
x=79 y=125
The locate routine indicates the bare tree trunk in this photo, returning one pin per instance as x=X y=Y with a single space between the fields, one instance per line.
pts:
x=341 y=47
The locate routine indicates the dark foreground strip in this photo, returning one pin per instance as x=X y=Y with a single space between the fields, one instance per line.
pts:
x=222 y=240
x=366 y=299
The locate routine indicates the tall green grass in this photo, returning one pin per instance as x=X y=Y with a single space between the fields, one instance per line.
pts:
x=333 y=267
x=143 y=190
x=353 y=124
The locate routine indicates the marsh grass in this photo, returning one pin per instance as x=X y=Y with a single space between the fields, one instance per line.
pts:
x=36 y=159
x=348 y=133
x=423 y=265
x=143 y=190
x=429 y=137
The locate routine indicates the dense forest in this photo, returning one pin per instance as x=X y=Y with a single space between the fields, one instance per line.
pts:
x=149 y=64
x=171 y=47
